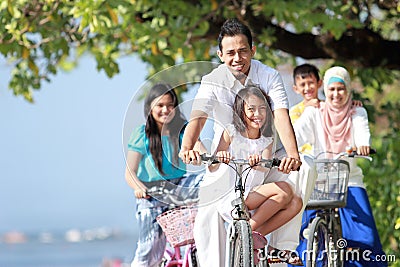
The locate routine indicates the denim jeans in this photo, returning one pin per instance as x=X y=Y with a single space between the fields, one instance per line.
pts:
x=152 y=241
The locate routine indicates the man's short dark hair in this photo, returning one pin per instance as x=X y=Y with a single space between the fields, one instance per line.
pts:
x=232 y=27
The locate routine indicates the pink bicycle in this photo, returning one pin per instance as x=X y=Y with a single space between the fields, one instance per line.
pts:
x=177 y=225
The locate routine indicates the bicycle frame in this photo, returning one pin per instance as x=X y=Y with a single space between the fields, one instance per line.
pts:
x=240 y=224
x=238 y=203
x=240 y=250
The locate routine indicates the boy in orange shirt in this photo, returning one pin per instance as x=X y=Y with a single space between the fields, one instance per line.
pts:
x=306 y=83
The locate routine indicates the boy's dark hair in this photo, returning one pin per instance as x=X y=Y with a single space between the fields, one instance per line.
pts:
x=239 y=112
x=232 y=27
x=175 y=126
x=306 y=70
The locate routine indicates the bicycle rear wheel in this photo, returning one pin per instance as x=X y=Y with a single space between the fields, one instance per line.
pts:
x=241 y=245
x=318 y=244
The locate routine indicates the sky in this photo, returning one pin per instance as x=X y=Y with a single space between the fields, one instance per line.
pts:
x=62 y=158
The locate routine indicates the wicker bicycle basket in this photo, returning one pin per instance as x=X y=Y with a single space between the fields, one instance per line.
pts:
x=330 y=190
x=177 y=225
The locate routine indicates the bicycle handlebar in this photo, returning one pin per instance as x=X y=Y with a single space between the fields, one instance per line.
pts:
x=268 y=163
x=351 y=153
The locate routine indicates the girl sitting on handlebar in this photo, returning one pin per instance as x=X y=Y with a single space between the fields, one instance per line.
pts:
x=251 y=137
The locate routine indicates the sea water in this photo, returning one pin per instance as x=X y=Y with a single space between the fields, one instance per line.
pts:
x=58 y=252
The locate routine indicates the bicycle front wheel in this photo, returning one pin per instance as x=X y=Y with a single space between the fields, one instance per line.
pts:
x=318 y=244
x=336 y=246
x=241 y=245
x=193 y=259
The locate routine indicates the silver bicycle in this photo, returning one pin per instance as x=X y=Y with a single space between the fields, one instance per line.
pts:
x=240 y=236
x=324 y=233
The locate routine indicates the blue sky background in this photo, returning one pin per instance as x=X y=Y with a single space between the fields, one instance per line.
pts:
x=61 y=158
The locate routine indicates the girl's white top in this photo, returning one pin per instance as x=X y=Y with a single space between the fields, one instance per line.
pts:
x=241 y=148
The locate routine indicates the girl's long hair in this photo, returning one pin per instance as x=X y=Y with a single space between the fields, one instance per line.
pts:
x=239 y=112
x=175 y=126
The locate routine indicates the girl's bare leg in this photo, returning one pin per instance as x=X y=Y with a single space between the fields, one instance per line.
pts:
x=268 y=199
x=281 y=217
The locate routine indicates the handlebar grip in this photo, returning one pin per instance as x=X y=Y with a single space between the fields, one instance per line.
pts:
x=275 y=163
x=354 y=152
x=210 y=158
x=269 y=163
